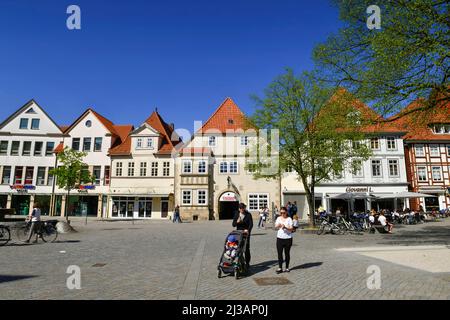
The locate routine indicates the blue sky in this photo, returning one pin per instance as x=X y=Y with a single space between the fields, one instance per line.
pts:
x=183 y=57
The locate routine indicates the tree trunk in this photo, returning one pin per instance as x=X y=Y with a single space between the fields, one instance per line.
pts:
x=67 y=206
x=310 y=199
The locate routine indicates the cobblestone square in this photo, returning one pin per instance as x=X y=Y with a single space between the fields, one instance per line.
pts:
x=162 y=260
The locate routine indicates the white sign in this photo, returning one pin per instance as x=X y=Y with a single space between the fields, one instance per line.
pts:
x=228 y=196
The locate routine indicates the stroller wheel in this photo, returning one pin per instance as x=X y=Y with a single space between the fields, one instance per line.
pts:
x=236 y=274
x=219 y=274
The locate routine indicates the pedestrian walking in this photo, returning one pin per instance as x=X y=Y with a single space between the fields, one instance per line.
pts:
x=35 y=218
x=176 y=214
x=243 y=221
x=285 y=228
x=263 y=217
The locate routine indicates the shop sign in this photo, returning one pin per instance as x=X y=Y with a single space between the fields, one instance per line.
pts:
x=358 y=189
x=22 y=188
x=85 y=188
x=228 y=196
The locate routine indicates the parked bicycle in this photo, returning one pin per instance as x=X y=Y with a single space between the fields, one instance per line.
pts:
x=327 y=227
x=5 y=235
x=46 y=230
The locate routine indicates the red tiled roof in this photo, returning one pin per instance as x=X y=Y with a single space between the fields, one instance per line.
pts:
x=156 y=122
x=227 y=117
x=196 y=151
x=59 y=148
x=417 y=118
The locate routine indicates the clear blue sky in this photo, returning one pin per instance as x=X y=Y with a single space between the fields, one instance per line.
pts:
x=183 y=57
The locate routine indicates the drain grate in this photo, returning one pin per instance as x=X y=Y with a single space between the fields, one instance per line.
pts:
x=272 y=281
x=99 y=265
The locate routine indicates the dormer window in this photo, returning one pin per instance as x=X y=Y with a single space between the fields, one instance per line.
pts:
x=441 y=128
x=144 y=143
x=230 y=121
x=139 y=143
x=149 y=143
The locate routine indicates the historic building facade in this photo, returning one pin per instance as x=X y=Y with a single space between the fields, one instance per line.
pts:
x=27 y=141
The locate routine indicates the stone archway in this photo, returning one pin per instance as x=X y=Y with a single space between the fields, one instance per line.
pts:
x=227 y=204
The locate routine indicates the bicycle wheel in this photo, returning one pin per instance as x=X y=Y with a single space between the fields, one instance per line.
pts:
x=5 y=235
x=320 y=230
x=49 y=233
x=22 y=232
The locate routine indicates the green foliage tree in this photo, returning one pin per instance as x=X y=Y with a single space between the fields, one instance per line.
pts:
x=319 y=131
x=71 y=172
x=408 y=58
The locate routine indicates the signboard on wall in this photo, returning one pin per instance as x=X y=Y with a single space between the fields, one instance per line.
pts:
x=228 y=197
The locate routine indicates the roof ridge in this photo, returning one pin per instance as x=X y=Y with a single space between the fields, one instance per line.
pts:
x=219 y=108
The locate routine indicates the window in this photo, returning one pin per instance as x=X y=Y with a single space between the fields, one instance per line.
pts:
x=230 y=121
x=393 y=168
x=202 y=166
x=139 y=143
x=391 y=145
x=143 y=169
x=201 y=196
x=223 y=167
x=166 y=168
x=41 y=176
x=4 y=147
x=212 y=141
x=119 y=169
x=26 y=148
x=376 y=168
x=76 y=144
x=38 y=148
x=257 y=201
x=233 y=167
x=49 y=148
x=436 y=173
x=107 y=176
x=149 y=143
x=23 y=123
x=97 y=172
x=131 y=169
x=434 y=150
x=419 y=150
x=35 y=124
x=187 y=197
x=448 y=151
x=15 y=148
x=358 y=169
x=6 y=176
x=441 y=128
x=187 y=166
x=29 y=175
x=18 y=174
x=244 y=141
x=87 y=144
x=88 y=123
x=98 y=144
x=422 y=173
x=50 y=177
x=375 y=144
x=154 y=169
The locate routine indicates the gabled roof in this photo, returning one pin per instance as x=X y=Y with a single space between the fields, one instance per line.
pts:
x=417 y=118
x=227 y=117
x=165 y=131
x=106 y=123
x=23 y=108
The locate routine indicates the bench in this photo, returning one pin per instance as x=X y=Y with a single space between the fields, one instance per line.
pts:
x=377 y=227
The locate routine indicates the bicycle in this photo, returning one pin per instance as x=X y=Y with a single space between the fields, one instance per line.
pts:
x=5 y=235
x=326 y=227
x=46 y=230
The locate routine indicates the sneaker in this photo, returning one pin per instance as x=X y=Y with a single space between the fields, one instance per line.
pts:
x=287 y=270
x=279 y=271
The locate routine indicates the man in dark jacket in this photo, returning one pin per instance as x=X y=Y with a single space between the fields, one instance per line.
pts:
x=243 y=221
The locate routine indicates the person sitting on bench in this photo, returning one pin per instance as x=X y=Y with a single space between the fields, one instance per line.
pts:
x=386 y=225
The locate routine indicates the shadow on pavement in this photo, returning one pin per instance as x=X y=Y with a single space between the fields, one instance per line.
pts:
x=307 y=265
x=426 y=235
x=4 y=278
x=67 y=241
x=261 y=267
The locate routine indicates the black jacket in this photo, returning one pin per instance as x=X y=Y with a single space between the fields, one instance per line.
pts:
x=245 y=224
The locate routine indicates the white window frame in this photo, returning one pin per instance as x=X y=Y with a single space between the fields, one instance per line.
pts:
x=143 y=169
x=360 y=173
x=166 y=168
x=206 y=197
x=377 y=139
x=397 y=165
x=237 y=167
x=184 y=167
x=190 y=196
x=440 y=173
x=391 y=140
x=258 y=200
x=436 y=148
x=212 y=141
x=154 y=169
x=418 y=173
x=380 y=166
x=149 y=144
x=226 y=167
x=448 y=150
x=131 y=169
x=139 y=143
x=201 y=166
x=119 y=169
x=244 y=141
x=419 y=147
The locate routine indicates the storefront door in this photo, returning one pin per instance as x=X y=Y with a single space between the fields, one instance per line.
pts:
x=145 y=208
x=164 y=209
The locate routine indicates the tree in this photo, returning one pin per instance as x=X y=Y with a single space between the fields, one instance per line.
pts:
x=71 y=172
x=319 y=131
x=408 y=58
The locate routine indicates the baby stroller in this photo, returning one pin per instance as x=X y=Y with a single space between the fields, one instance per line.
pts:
x=232 y=260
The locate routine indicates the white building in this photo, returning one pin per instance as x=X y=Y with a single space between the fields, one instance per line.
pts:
x=94 y=134
x=382 y=175
x=27 y=142
x=143 y=176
